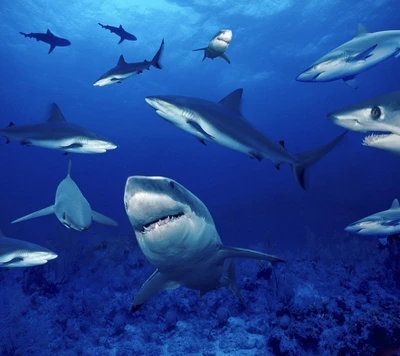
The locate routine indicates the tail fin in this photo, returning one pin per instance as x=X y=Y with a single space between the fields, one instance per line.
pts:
x=46 y=211
x=202 y=49
x=102 y=26
x=308 y=158
x=24 y=34
x=156 y=58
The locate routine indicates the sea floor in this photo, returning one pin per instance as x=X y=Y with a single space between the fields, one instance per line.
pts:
x=336 y=298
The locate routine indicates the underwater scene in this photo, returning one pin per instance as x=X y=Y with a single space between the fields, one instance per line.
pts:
x=200 y=177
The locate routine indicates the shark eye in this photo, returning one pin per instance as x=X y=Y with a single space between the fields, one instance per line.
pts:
x=376 y=112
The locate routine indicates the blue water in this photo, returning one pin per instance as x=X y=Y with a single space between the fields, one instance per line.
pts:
x=273 y=41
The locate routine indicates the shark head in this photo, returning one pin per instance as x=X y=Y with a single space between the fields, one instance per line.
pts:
x=327 y=68
x=168 y=220
x=20 y=253
x=381 y=113
x=387 y=142
x=223 y=36
x=175 y=110
x=384 y=223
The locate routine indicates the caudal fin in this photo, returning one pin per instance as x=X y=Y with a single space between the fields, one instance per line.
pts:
x=308 y=158
x=24 y=34
x=155 y=62
x=46 y=211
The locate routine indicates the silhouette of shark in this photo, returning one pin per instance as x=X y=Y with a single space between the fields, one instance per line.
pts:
x=119 y=31
x=49 y=38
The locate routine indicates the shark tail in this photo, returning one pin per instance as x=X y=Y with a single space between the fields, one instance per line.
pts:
x=155 y=61
x=24 y=34
x=46 y=211
x=308 y=158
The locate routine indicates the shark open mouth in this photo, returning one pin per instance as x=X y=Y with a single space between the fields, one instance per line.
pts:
x=160 y=222
x=371 y=139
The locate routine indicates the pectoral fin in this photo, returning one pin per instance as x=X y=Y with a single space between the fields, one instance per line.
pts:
x=234 y=252
x=102 y=219
x=51 y=48
x=364 y=54
x=351 y=82
x=223 y=55
x=392 y=222
x=155 y=284
x=197 y=126
x=46 y=211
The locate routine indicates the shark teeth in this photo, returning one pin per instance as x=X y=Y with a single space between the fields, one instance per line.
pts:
x=370 y=139
x=160 y=222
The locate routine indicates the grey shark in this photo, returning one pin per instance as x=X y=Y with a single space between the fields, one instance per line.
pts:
x=219 y=43
x=49 y=38
x=20 y=253
x=378 y=114
x=120 y=31
x=56 y=133
x=381 y=224
x=71 y=208
x=176 y=233
x=222 y=122
x=363 y=52
x=125 y=70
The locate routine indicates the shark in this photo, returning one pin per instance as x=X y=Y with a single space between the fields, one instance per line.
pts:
x=222 y=123
x=20 y=253
x=71 y=207
x=119 y=31
x=364 y=51
x=217 y=46
x=380 y=114
x=125 y=70
x=49 y=38
x=382 y=224
x=56 y=133
x=177 y=234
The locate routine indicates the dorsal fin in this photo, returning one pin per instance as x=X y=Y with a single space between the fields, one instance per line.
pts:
x=10 y=124
x=232 y=100
x=69 y=167
x=56 y=114
x=361 y=30
x=121 y=60
x=48 y=32
x=120 y=26
x=395 y=204
x=282 y=143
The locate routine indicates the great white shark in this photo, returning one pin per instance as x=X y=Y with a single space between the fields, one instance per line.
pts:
x=120 y=31
x=222 y=122
x=125 y=70
x=361 y=53
x=56 y=133
x=176 y=233
x=380 y=114
x=71 y=207
x=217 y=46
x=20 y=253
x=49 y=38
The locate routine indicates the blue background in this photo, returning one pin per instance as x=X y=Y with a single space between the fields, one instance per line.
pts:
x=273 y=41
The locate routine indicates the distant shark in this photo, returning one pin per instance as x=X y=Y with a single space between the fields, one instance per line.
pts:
x=49 y=38
x=176 y=233
x=125 y=70
x=219 y=43
x=363 y=52
x=19 y=253
x=71 y=208
x=382 y=225
x=224 y=124
x=119 y=31
x=56 y=133
x=379 y=114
